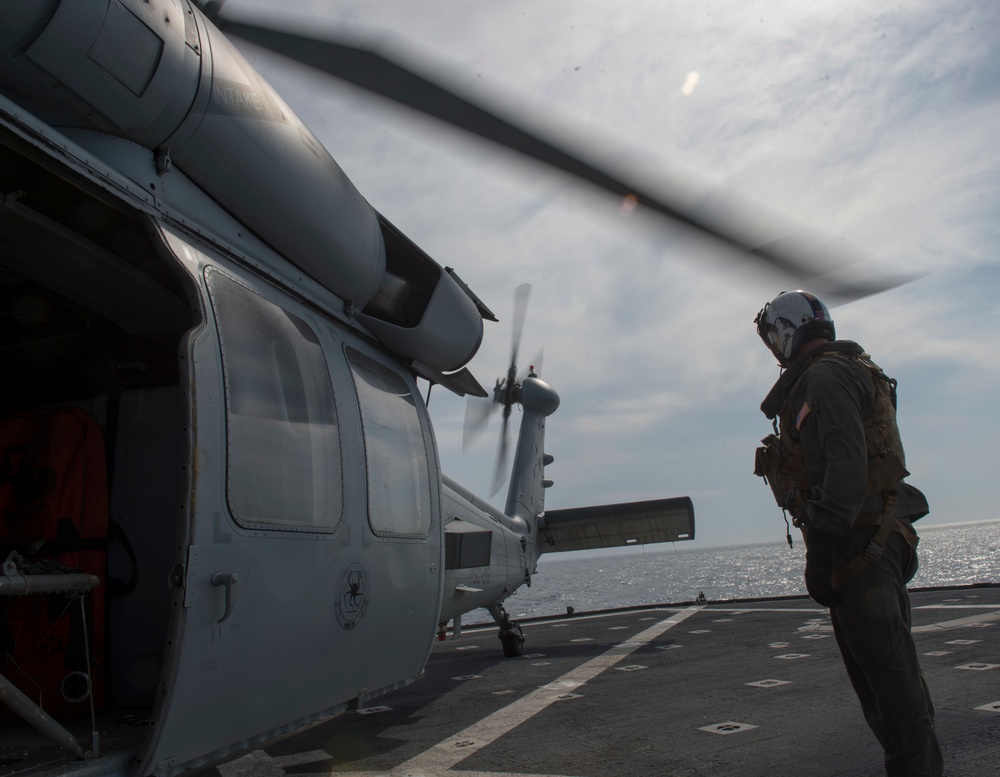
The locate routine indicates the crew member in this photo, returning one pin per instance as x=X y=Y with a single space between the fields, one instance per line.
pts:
x=836 y=464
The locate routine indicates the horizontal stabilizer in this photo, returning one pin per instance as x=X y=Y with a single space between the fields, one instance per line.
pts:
x=612 y=526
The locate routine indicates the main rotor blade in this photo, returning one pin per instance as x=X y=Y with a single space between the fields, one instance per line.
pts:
x=370 y=70
x=521 y=294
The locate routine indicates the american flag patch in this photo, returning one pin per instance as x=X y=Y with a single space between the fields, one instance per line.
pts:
x=802 y=415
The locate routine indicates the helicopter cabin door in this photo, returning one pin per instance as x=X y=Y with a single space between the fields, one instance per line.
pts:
x=312 y=574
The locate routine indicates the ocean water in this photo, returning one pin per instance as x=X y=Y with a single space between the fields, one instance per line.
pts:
x=959 y=554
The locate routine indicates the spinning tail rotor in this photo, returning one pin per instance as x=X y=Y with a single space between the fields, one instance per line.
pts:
x=506 y=393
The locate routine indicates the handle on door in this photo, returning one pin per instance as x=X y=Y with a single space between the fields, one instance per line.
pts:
x=228 y=579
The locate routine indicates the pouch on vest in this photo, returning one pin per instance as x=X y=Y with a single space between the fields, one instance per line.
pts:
x=785 y=473
x=767 y=465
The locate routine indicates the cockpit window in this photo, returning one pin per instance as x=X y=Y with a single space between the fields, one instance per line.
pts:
x=284 y=455
x=399 y=497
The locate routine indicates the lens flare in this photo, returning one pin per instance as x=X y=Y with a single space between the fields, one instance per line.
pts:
x=628 y=206
x=690 y=83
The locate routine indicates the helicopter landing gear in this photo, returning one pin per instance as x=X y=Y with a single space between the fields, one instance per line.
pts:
x=513 y=642
x=511 y=636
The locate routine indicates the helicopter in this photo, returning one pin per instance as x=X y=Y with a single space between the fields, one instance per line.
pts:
x=213 y=439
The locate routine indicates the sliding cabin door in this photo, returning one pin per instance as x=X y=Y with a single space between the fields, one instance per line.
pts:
x=312 y=571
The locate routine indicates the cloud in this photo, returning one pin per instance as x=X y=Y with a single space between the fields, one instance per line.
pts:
x=873 y=126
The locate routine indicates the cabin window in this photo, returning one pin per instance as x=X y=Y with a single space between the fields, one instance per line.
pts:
x=284 y=457
x=399 y=501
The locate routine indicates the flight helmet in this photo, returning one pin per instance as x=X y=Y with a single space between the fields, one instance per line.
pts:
x=791 y=319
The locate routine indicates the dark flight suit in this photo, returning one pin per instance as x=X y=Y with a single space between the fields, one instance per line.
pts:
x=870 y=611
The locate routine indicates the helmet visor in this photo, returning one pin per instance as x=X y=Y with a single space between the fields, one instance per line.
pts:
x=771 y=335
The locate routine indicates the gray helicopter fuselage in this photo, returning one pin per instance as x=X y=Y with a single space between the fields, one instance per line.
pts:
x=279 y=482
x=183 y=264
x=275 y=471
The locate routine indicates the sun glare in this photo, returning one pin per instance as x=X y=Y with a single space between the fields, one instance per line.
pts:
x=690 y=83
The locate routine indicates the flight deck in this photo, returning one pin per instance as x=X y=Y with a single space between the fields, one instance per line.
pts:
x=723 y=689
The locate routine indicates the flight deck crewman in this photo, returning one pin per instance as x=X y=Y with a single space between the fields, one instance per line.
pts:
x=836 y=464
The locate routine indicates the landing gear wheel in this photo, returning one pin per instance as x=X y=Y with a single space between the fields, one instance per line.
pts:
x=513 y=642
x=511 y=636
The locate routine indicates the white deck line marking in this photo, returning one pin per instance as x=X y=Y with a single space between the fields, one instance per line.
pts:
x=260 y=764
x=298 y=759
x=443 y=756
x=971 y=620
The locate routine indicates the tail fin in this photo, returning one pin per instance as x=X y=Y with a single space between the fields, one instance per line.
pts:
x=580 y=528
x=526 y=493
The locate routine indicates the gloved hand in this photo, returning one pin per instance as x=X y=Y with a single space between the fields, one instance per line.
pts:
x=819 y=566
x=795 y=503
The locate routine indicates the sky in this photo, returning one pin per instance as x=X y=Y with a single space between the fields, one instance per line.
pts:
x=869 y=126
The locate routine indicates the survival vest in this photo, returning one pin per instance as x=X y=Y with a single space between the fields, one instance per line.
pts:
x=781 y=460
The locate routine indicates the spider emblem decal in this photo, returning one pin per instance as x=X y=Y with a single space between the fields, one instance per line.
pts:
x=352 y=599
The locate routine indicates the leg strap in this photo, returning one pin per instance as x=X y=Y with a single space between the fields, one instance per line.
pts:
x=887 y=523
